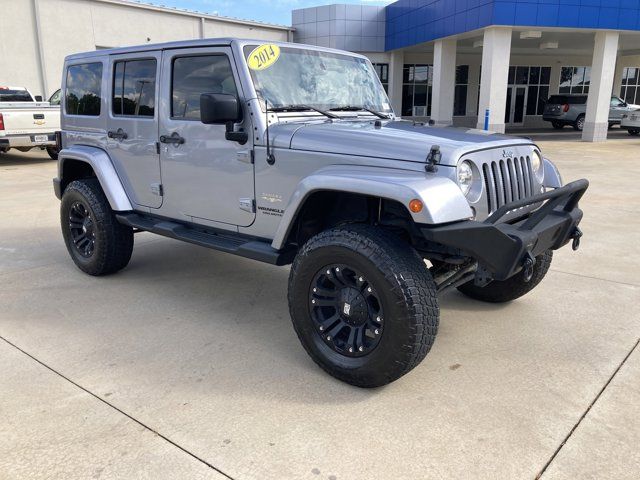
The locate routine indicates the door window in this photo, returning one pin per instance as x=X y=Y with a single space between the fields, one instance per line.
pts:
x=616 y=102
x=193 y=76
x=55 y=98
x=134 y=88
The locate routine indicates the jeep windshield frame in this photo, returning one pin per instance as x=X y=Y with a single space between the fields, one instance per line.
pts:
x=319 y=79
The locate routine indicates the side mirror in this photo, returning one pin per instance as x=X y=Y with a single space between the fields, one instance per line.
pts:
x=219 y=108
x=38 y=98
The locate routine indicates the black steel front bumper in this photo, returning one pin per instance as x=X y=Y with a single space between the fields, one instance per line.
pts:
x=502 y=249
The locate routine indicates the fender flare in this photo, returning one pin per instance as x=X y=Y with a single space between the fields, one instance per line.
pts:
x=552 y=177
x=443 y=201
x=104 y=170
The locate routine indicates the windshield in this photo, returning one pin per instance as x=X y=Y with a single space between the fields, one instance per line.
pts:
x=295 y=76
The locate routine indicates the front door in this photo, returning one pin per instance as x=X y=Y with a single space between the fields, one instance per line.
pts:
x=204 y=176
x=516 y=104
x=618 y=108
x=132 y=125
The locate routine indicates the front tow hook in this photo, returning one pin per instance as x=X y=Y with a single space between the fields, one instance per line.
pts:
x=577 y=234
x=527 y=266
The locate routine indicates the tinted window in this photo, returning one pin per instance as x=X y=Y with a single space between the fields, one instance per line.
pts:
x=193 y=76
x=83 y=89
x=134 y=88
x=557 y=100
x=14 y=95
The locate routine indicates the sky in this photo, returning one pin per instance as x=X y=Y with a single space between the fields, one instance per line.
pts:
x=270 y=11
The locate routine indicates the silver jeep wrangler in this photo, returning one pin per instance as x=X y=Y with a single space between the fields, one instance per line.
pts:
x=291 y=154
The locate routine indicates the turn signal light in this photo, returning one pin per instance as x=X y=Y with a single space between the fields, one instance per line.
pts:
x=416 y=205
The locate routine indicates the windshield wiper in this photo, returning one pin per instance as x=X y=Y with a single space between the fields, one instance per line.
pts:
x=301 y=108
x=352 y=108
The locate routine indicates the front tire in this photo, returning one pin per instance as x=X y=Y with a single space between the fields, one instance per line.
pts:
x=579 y=123
x=634 y=132
x=363 y=304
x=53 y=152
x=512 y=288
x=96 y=241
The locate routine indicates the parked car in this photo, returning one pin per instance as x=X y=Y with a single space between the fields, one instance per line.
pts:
x=26 y=122
x=291 y=154
x=563 y=110
x=631 y=122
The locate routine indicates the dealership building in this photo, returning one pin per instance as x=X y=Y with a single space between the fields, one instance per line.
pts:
x=472 y=62
x=461 y=62
x=37 y=35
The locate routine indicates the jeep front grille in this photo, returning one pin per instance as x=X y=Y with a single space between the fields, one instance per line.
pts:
x=507 y=180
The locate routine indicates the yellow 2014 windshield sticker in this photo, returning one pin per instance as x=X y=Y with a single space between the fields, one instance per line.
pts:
x=263 y=57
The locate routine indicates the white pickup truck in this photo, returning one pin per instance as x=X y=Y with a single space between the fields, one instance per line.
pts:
x=26 y=123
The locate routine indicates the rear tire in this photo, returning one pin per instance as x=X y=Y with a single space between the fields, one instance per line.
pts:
x=96 y=241
x=557 y=125
x=634 y=132
x=363 y=304
x=53 y=152
x=512 y=288
x=579 y=123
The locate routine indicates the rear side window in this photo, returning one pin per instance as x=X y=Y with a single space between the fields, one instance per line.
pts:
x=577 y=100
x=557 y=100
x=193 y=76
x=83 y=91
x=564 y=99
x=14 y=95
x=134 y=88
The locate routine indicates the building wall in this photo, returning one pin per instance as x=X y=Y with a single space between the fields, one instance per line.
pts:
x=358 y=28
x=415 y=21
x=71 y=26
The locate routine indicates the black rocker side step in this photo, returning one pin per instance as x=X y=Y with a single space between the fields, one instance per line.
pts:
x=223 y=241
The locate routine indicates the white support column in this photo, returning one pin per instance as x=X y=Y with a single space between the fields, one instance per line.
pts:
x=603 y=69
x=42 y=67
x=496 y=53
x=444 y=82
x=396 y=64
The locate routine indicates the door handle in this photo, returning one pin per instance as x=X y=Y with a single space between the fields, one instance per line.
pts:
x=174 y=138
x=118 y=134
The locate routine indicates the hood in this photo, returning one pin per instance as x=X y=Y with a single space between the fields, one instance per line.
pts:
x=395 y=139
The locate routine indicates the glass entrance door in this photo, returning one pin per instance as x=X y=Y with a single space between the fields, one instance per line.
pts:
x=516 y=105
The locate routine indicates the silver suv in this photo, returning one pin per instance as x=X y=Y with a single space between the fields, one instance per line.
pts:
x=563 y=110
x=290 y=154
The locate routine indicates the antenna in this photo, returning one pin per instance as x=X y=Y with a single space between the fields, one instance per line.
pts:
x=271 y=159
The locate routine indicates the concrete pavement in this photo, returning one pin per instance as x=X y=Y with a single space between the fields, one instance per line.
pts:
x=187 y=360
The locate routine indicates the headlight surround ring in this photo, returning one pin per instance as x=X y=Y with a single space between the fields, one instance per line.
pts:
x=469 y=181
x=537 y=165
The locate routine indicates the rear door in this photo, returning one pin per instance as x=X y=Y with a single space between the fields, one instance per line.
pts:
x=132 y=125
x=205 y=176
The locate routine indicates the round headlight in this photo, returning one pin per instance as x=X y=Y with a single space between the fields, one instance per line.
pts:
x=538 y=165
x=465 y=176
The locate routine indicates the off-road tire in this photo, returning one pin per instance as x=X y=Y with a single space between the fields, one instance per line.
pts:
x=407 y=294
x=557 y=125
x=53 y=153
x=579 y=123
x=113 y=242
x=512 y=288
x=634 y=132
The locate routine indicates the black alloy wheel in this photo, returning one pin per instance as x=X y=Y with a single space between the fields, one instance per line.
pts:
x=82 y=229
x=346 y=310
